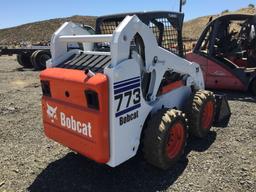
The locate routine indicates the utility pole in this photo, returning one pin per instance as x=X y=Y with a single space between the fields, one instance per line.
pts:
x=180 y=6
x=182 y=2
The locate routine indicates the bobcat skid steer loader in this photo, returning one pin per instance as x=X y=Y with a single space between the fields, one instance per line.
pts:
x=126 y=89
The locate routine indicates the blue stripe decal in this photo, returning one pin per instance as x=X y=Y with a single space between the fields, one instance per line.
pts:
x=128 y=83
x=128 y=110
x=117 y=91
x=126 y=80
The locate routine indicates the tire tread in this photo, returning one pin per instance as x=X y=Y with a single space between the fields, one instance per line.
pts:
x=155 y=135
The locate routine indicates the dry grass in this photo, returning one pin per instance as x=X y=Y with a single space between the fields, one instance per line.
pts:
x=42 y=31
x=39 y=31
x=192 y=29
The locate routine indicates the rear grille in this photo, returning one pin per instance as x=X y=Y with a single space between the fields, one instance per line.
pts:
x=82 y=61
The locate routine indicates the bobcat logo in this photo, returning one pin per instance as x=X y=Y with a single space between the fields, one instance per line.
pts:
x=51 y=112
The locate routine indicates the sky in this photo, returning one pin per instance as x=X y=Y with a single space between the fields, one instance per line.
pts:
x=17 y=12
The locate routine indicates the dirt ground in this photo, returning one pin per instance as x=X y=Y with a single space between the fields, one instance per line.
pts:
x=224 y=161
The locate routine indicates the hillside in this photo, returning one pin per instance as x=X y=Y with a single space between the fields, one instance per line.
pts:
x=193 y=28
x=39 y=31
x=42 y=31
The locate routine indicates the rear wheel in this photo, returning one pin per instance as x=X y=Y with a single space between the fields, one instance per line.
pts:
x=24 y=60
x=253 y=87
x=165 y=138
x=39 y=58
x=201 y=114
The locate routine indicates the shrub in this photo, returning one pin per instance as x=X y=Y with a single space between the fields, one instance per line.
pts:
x=225 y=11
x=251 y=5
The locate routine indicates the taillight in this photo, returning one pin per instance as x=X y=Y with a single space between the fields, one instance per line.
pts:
x=92 y=99
x=46 y=88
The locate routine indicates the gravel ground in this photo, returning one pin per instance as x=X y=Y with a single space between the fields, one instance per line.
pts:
x=224 y=161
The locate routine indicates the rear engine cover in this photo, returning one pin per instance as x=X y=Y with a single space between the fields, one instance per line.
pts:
x=69 y=116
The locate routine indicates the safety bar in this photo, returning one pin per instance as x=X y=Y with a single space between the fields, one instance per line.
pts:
x=86 y=38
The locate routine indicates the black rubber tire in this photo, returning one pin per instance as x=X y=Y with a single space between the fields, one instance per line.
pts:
x=24 y=60
x=39 y=58
x=156 y=138
x=196 y=110
x=253 y=87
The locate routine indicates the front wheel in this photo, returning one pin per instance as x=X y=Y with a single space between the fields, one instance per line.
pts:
x=165 y=138
x=201 y=113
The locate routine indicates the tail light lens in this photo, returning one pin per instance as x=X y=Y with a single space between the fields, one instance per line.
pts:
x=92 y=99
x=46 y=88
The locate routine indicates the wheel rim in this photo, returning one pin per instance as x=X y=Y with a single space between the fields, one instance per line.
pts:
x=207 y=115
x=175 y=140
x=43 y=59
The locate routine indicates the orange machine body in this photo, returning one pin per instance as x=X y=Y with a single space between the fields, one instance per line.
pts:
x=68 y=117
